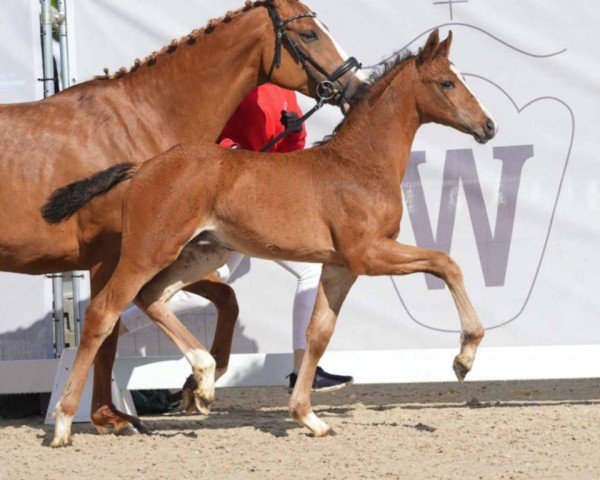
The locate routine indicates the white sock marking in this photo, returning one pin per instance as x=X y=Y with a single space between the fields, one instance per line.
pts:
x=62 y=426
x=203 y=362
x=317 y=426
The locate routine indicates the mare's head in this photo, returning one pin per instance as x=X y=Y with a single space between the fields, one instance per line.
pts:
x=442 y=95
x=300 y=54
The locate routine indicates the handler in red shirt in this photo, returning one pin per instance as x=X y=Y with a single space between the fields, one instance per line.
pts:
x=258 y=120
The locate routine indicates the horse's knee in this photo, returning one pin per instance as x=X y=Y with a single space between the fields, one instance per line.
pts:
x=317 y=336
x=445 y=267
x=98 y=324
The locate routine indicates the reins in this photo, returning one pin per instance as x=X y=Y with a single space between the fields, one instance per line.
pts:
x=326 y=89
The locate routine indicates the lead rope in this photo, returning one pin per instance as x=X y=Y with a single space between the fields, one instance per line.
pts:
x=288 y=131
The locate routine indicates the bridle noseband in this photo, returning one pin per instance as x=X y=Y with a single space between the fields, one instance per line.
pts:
x=327 y=89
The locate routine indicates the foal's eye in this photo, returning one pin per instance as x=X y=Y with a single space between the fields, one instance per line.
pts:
x=309 y=36
x=447 y=85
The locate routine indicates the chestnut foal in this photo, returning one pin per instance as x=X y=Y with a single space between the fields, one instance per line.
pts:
x=185 y=208
x=185 y=93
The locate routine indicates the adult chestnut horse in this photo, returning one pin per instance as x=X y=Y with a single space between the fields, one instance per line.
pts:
x=185 y=93
x=186 y=207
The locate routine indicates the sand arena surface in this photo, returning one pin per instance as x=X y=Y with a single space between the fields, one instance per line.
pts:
x=517 y=430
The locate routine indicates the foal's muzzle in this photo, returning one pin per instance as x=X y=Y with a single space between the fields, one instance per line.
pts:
x=486 y=132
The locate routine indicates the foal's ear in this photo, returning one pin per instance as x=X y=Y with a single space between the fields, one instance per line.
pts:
x=444 y=47
x=428 y=51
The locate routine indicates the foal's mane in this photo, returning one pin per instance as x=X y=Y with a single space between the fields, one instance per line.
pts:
x=381 y=76
x=189 y=39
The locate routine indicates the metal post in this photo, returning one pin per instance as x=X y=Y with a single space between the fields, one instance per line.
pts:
x=76 y=279
x=46 y=22
x=64 y=48
x=48 y=58
x=59 y=316
x=65 y=75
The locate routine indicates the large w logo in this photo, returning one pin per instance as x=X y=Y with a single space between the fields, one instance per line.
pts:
x=493 y=248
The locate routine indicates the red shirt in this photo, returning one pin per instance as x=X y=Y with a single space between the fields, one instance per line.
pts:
x=258 y=120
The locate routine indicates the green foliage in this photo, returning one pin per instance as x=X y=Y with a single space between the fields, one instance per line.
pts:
x=54 y=28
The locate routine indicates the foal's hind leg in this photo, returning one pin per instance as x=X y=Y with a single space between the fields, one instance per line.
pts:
x=391 y=258
x=334 y=286
x=193 y=263
x=101 y=317
x=223 y=298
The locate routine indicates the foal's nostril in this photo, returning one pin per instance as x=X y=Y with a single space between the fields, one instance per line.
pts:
x=490 y=128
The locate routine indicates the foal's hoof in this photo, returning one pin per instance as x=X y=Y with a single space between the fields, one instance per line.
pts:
x=461 y=367
x=317 y=426
x=59 y=442
x=323 y=431
x=202 y=405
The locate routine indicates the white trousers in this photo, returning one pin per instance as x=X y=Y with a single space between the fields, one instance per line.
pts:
x=308 y=275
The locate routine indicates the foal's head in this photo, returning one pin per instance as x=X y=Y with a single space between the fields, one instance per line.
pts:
x=312 y=39
x=443 y=96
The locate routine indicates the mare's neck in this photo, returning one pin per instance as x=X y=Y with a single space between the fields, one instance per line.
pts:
x=380 y=133
x=191 y=93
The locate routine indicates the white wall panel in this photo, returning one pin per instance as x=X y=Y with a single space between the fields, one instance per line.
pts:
x=532 y=64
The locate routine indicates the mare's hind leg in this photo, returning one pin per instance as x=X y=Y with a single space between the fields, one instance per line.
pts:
x=104 y=414
x=334 y=285
x=194 y=262
x=391 y=258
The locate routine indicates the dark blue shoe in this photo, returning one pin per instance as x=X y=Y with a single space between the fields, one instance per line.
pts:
x=323 y=381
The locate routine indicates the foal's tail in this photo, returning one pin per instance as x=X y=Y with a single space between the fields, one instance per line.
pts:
x=66 y=201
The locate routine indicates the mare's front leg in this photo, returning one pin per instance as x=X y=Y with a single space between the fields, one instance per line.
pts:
x=387 y=257
x=334 y=285
x=194 y=262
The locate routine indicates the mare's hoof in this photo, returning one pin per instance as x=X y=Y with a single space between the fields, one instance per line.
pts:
x=141 y=428
x=131 y=430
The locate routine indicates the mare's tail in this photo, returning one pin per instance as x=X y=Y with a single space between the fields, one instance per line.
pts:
x=66 y=201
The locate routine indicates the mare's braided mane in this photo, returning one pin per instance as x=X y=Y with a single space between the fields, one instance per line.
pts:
x=189 y=39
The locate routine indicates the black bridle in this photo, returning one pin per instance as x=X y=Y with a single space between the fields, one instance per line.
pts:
x=326 y=88
x=329 y=88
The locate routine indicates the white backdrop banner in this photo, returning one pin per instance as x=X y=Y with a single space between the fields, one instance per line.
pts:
x=520 y=214
x=20 y=52
x=25 y=302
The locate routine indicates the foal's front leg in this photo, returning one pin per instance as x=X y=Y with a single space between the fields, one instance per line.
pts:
x=388 y=257
x=334 y=285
